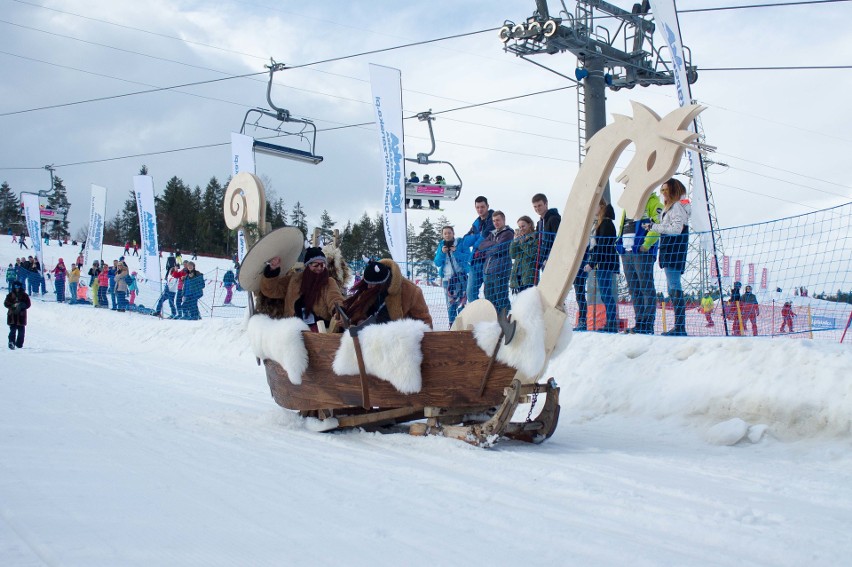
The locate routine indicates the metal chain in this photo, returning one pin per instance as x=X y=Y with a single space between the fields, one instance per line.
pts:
x=533 y=402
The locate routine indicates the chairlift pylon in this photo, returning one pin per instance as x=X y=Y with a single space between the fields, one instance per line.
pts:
x=430 y=191
x=308 y=132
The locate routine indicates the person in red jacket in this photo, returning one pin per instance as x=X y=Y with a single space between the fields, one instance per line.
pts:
x=180 y=275
x=787 y=315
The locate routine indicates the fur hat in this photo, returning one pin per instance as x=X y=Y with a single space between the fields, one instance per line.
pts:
x=376 y=273
x=314 y=254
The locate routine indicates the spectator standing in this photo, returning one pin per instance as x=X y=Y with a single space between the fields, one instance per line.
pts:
x=481 y=227
x=94 y=283
x=603 y=258
x=17 y=302
x=132 y=288
x=103 y=286
x=546 y=228
x=674 y=243
x=228 y=281
x=523 y=251
x=735 y=309
x=73 y=282
x=497 y=265
x=180 y=275
x=59 y=273
x=707 y=308
x=750 y=309
x=11 y=276
x=121 y=287
x=35 y=276
x=169 y=291
x=113 y=270
x=193 y=289
x=453 y=263
x=638 y=248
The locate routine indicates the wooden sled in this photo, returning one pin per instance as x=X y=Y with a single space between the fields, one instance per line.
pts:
x=463 y=396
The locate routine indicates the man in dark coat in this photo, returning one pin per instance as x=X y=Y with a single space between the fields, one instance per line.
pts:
x=17 y=302
x=546 y=228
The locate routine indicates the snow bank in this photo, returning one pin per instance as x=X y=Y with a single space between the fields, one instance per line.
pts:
x=798 y=388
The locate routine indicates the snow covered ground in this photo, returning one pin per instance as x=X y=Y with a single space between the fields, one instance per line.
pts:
x=128 y=440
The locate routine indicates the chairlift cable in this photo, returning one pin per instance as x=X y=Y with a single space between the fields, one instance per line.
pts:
x=780 y=68
x=768 y=5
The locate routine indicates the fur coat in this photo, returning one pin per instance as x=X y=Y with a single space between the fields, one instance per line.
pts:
x=405 y=299
x=287 y=289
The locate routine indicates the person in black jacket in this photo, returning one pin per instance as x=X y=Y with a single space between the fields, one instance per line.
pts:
x=546 y=228
x=603 y=258
x=17 y=302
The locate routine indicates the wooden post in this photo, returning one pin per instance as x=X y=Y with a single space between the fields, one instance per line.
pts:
x=740 y=319
x=810 y=324
x=365 y=389
x=663 y=304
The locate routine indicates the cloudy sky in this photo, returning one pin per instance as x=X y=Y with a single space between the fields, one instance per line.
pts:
x=783 y=137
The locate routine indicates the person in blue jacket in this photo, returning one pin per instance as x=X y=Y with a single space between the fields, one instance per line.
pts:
x=193 y=290
x=479 y=230
x=498 y=264
x=638 y=248
x=453 y=263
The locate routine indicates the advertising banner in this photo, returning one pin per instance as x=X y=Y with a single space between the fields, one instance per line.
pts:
x=386 y=84
x=738 y=271
x=726 y=266
x=751 y=274
x=95 y=239
x=33 y=218
x=665 y=16
x=764 y=278
x=149 y=261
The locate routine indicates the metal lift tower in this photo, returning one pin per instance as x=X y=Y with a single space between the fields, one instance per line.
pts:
x=616 y=60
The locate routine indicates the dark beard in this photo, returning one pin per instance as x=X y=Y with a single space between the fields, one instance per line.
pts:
x=360 y=305
x=312 y=286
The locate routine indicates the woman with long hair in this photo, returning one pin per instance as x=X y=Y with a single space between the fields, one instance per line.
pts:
x=674 y=242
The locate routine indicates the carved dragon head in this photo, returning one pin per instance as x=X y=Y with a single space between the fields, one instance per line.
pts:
x=659 y=144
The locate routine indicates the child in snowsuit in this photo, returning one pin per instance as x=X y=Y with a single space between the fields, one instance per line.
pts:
x=787 y=315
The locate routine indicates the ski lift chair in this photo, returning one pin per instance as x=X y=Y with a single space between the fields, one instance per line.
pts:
x=432 y=191
x=307 y=133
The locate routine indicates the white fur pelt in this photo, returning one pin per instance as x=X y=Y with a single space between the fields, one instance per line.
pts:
x=526 y=351
x=391 y=352
x=338 y=268
x=280 y=340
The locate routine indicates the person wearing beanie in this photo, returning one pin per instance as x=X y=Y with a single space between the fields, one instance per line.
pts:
x=311 y=294
x=59 y=273
x=17 y=303
x=384 y=291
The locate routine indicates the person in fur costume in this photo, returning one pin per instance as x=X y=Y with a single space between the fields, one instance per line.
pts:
x=385 y=292
x=311 y=294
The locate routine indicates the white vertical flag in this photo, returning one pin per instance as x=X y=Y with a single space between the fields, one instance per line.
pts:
x=97 y=214
x=665 y=15
x=143 y=187
x=386 y=84
x=242 y=160
x=33 y=217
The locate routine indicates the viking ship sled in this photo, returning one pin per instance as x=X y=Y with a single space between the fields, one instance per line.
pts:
x=471 y=379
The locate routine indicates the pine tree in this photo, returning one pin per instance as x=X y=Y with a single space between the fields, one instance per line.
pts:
x=10 y=210
x=278 y=216
x=58 y=201
x=423 y=250
x=175 y=214
x=212 y=231
x=326 y=227
x=129 y=223
x=299 y=219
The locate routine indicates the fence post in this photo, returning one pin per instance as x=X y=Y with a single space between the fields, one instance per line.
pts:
x=772 y=330
x=213 y=303
x=810 y=324
x=663 y=304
